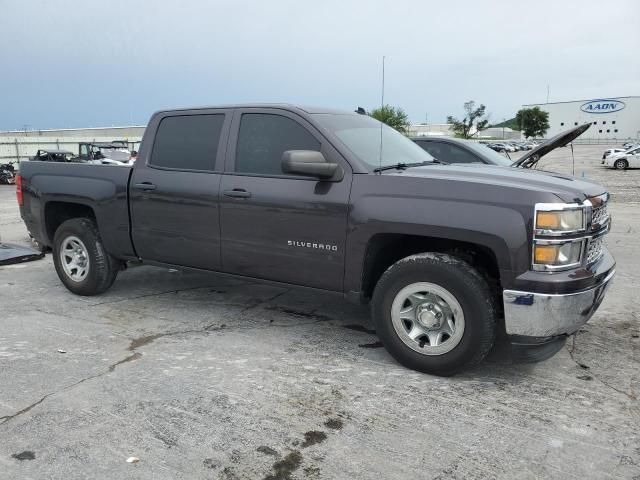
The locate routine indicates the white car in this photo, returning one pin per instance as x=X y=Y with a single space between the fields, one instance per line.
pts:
x=611 y=151
x=506 y=146
x=624 y=160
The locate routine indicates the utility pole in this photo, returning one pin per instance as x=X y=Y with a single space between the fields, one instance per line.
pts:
x=382 y=99
x=547 y=93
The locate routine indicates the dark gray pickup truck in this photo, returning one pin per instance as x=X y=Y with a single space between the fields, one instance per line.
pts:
x=448 y=256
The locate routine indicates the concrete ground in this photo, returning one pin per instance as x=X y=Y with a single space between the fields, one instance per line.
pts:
x=199 y=376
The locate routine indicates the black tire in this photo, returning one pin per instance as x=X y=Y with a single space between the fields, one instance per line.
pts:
x=621 y=164
x=102 y=267
x=469 y=289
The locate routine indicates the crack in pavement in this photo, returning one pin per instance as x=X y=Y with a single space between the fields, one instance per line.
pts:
x=134 y=344
x=571 y=350
x=8 y=418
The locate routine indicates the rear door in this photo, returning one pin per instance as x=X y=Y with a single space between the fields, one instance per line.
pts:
x=174 y=189
x=276 y=226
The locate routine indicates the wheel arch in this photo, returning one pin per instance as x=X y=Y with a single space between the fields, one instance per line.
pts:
x=385 y=249
x=57 y=212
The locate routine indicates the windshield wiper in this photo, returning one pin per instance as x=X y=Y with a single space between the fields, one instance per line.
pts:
x=403 y=166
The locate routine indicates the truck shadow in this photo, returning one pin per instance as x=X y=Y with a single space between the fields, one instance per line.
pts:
x=192 y=300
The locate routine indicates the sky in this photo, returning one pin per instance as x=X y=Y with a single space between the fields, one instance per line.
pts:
x=86 y=63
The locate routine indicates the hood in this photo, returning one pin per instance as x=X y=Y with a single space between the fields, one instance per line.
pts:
x=530 y=158
x=568 y=188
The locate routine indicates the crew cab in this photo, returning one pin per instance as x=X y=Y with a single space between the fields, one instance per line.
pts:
x=447 y=256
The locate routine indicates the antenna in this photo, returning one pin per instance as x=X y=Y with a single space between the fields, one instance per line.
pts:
x=381 y=111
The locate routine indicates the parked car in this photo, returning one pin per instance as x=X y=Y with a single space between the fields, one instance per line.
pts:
x=495 y=147
x=455 y=150
x=611 y=151
x=53 y=156
x=629 y=145
x=503 y=146
x=109 y=161
x=96 y=152
x=447 y=255
x=627 y=159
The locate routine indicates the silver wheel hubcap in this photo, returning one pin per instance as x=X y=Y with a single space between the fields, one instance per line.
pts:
x=427 y=318
x=74 y=258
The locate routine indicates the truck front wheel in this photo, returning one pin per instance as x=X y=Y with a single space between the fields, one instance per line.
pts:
x=434 y=313
x=82 y=263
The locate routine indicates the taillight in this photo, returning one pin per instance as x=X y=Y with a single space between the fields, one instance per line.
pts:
x=19 y=190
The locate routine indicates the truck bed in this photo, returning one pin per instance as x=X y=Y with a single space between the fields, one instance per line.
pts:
x=102 y=191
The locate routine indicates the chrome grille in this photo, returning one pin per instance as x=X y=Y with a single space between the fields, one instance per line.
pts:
x=594 y=249
x=599 y=216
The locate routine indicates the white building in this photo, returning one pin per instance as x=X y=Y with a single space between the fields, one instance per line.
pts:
x=444 y=129
x=429 y=129
x=612 y=119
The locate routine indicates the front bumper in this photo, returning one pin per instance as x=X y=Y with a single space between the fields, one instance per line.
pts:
x=545 y=315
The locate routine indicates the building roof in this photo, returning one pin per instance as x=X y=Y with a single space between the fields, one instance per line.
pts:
x=576 y=101
x=2 y=132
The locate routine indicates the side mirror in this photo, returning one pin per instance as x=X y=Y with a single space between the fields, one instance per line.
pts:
x=308 y=163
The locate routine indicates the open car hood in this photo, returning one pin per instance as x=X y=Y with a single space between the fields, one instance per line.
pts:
x=530 y=158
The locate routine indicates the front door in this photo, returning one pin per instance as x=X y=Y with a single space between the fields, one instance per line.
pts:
x=174 y=190
x=276 y=226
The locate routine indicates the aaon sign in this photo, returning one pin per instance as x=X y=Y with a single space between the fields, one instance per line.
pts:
x=602 y=106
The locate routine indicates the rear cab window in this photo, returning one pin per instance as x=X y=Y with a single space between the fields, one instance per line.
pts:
x=187 y=142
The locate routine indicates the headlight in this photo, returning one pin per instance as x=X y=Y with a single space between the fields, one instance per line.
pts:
x=559 y=221
x=564 y=254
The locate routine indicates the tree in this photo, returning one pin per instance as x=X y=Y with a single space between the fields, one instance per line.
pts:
x=533 y=122
x=395 y=117
x=472 y=122
x=511 y=123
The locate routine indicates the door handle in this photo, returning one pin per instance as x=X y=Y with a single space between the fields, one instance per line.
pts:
x=145 y=186
x=237 y=193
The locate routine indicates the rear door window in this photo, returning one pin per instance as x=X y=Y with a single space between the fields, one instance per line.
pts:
x=187 y=142
x=264 y=137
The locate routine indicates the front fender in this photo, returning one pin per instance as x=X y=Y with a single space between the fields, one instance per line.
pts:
x=503 y=227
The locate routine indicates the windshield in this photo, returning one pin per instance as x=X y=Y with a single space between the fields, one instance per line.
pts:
x=491 y=155
x=362 y=134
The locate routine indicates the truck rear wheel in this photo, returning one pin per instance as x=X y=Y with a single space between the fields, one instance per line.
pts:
x=82 y=263
x=434 y=313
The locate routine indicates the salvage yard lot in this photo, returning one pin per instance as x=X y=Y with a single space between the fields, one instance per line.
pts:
x=201 y=376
